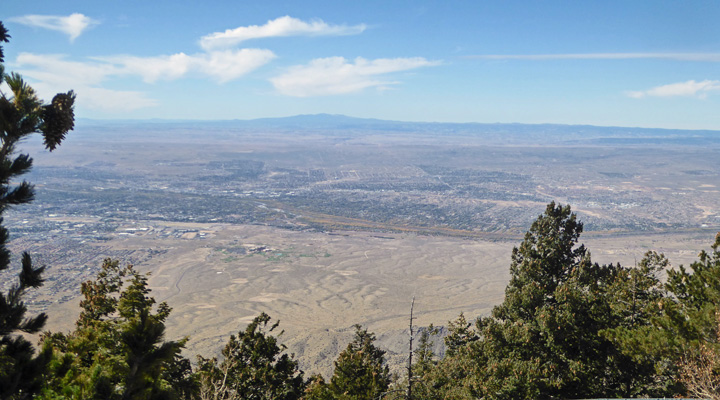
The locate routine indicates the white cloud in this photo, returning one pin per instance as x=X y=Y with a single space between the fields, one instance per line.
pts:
x=54 y=74
x=150 y=69
x=73 y=25
x=687 y=89
x=283 y=26
x=55 y=69
x=335 y=75
x=97 y=98
x=223 y=66
x=705 y=57
x=228 y=65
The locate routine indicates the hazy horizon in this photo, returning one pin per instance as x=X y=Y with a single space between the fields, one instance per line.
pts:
x=603 y=64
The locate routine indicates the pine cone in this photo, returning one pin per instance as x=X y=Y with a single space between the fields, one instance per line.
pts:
x=59 y=118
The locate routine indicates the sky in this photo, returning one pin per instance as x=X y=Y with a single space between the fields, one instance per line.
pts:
x=639 y=63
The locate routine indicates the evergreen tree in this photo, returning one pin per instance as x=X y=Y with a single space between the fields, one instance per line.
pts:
x=545 y=339
x=254 y=367
x=534 y=342
x=636 y=297
x=360 y=370
x=685 y=326
x=423 y=364
x=692 y=317
x=451 y=377
x=424 y=354
x=460 y=334
x=117 y=350
x=317 y=389
x=22 y=114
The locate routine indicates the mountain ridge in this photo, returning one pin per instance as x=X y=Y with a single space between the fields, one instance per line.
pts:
x=340 y=120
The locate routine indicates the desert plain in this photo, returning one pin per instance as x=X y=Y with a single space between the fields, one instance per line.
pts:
x=326 y=222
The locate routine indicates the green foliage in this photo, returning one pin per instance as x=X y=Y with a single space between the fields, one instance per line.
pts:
x=673 y=322
x=460 y=334
x=424 y=363
x=452 y=377
x=317 y=389
x=684 y=320
x=117 y=350
x=360 y=372
x=546 y=259
x=637 y=293
x=22 y=114
x=636 y=297
x=569 y=328
x=556 y=333
x=536 y=343
x=692 y=316
x=254 y=366
x=424 y=354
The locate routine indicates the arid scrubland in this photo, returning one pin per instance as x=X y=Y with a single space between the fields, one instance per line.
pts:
x=323 y=229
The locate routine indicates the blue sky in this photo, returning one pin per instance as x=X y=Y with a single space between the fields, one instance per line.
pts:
x=649 y=63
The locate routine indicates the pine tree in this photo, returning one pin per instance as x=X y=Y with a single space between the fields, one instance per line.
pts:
x=117 y=349
x=460 y=334
x=317 y=389
x=545 y=340
x=692 y=316
x=424 y=354
x=636 y=297
x=360 y=370
x=254 y=367
x=451 y=377
x=532 y=341
x=686 y=327
x=22 y=113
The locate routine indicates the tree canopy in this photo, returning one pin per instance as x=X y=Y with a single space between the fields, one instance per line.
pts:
x=563 y=329
x=360 y=372
x=117 y=350
x=254 y=366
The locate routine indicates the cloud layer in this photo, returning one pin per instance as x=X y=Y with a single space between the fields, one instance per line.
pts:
x=219 y=61
x=223 y=66
x=283 y=26
x=72 y=25
x=686 y=89
x=54 y=73
x=335 y=75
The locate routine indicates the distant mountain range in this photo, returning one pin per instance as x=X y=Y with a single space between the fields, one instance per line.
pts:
x=333 y=124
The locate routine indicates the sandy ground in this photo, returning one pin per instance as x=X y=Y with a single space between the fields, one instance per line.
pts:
x=319 y=285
